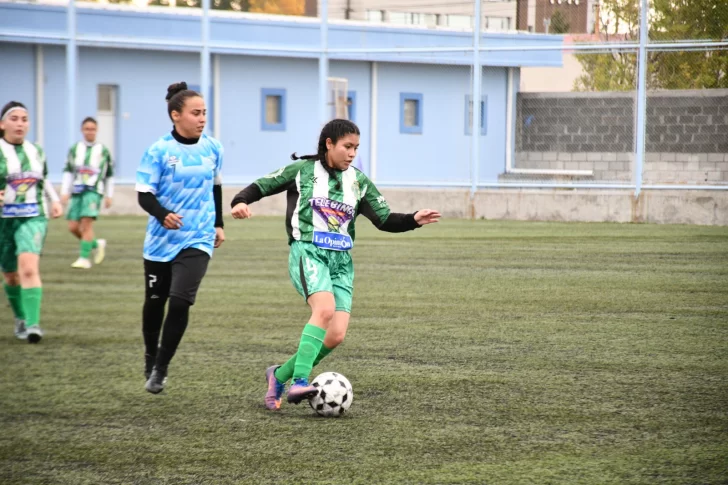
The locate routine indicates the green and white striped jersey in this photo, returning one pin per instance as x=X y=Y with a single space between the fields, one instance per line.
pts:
x=90 y=165
x=323 y=205
x=23 y=171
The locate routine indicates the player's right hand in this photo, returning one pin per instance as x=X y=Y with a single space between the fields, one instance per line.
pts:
x=241 y=211
x=172 y=221
x=2 y=197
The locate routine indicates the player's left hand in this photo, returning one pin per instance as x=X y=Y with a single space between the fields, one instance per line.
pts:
x=219 y=236
x=56 y=210
x=427 y=216
x=107 y=202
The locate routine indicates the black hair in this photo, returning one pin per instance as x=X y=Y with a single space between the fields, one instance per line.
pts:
x=334 y=129
x=88 y=119
x=177 y=95
x=8 y=107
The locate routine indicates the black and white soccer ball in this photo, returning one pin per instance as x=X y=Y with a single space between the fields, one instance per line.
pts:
x=335 y=394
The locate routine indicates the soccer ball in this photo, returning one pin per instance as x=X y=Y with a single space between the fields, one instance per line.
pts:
x=335 y=394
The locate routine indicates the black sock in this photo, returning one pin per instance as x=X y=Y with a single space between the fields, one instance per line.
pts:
x=152 y=318
x=174 y=327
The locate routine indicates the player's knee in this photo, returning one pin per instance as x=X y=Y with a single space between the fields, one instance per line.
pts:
x=178 y=304
x=334 y=338
x=12 y=279
x=27 y=272
x=324 y=313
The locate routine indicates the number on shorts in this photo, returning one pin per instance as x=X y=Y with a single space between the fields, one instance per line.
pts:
x=152 y=280
x=312 y=271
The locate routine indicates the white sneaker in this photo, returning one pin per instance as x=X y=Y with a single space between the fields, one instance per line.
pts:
x=34 y=334
x=100 y=251
x=82 y=263
x=20 y=332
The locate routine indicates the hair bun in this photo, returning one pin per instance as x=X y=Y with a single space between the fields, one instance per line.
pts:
x=175 y=88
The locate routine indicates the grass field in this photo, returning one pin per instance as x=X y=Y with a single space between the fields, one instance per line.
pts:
x=480 y=353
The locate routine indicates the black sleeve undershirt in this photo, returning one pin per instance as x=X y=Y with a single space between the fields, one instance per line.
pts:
x=248 y=195
x=150 y=203
x=217 y=195
x=396 y=222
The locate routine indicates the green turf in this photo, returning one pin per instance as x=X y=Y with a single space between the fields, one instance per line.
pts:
x=480 y=352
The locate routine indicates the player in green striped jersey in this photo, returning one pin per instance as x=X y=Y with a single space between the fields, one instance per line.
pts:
x=89 y=172
x=325 y=195
x=24 y=218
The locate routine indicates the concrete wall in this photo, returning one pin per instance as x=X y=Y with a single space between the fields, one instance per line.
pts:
x=572 y=205
x=677 y=122
x=686 y=140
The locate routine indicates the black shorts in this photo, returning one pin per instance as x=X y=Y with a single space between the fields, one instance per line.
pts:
x=180 y=277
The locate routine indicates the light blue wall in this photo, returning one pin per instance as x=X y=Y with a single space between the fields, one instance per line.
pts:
x=142 y=52
x=17 y=81
x=442 y=152
x=250 y=152
x=142 y=78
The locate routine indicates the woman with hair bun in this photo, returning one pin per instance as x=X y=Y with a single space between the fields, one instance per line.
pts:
x=179 y=184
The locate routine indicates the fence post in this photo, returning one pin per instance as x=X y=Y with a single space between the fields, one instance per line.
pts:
x=641 y=100
x=324 y=63
x=205 y=55
x=71 y=67
x=477 y=84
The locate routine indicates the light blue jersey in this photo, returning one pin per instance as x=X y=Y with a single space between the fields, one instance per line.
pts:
x=181 y=177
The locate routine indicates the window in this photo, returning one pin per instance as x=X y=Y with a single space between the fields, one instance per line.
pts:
x=376 y=16
x=106 y=95
x=399 y=17
x=410 y=116
x=496 y=23
x=273 y=110
x=351 y=102
x=460 y=21
x=469 y=115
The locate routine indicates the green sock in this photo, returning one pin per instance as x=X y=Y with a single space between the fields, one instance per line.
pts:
x=312 y=339
x=31 y=298
x=13 y=293
x=322 y=354
x=285 y=372
x=94 y=244
x=86 y=247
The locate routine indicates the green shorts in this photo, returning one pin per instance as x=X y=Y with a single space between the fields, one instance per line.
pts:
x=85 y=204
x=313 y=269
x=20 y=235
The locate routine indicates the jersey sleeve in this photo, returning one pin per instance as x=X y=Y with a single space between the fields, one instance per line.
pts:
x=217 y=179
x=373 y=205
x=279 y=180
x=109 y=163
x=149 y=172
x=69 y=160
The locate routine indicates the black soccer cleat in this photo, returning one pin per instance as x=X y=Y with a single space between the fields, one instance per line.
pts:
x=148 y=365
x=156 y=382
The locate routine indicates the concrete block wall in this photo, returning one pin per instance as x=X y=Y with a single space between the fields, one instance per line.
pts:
x=680 y=121
x=686 y=135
